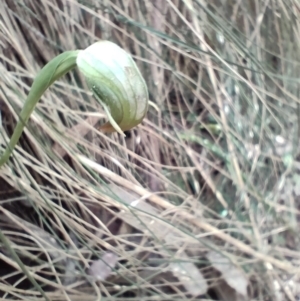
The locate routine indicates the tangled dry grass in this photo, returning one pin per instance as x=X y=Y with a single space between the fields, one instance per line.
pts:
x=199 y=202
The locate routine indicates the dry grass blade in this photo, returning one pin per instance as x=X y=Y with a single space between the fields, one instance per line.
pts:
x=232 y=275
x=146 y=218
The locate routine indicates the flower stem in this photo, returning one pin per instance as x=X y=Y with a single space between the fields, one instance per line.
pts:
x=52 y=71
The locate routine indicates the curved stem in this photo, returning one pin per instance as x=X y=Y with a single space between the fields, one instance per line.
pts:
x=52 y=71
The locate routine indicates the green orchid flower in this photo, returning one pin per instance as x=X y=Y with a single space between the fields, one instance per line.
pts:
x=112 y=76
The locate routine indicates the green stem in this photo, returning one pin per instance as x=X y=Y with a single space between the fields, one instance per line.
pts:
x=55 y=69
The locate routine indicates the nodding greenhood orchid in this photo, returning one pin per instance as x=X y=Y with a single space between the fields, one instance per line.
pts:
x=117 y=84
x=111 y=75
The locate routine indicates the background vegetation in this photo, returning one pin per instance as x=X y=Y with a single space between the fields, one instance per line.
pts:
x=199 y=202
